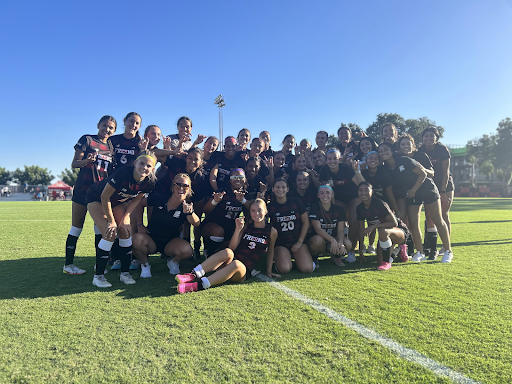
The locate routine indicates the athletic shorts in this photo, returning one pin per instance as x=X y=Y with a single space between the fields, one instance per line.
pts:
x=91 y=197
x=160 y=243
x=79 y=198
x=449 y=187
x=405 y=231
x=427 y=194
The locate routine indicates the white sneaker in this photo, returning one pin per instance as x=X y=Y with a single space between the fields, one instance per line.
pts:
x=71 y=269
x=371 y=250
x=100 y=281
x=146 y=270
x=174 y=268
x=447 y=258
x=104 y=272
x=418 y=256
x=351 y=258
x=126 y=278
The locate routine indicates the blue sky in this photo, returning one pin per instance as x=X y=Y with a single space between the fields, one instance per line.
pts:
x=282 y=66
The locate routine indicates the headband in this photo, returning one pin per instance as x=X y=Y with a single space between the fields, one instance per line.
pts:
x=368 y=154
x=307 y=141
x=148 y=156
x=230 y=139
x=326 y=186
x=334 y=150
x=239 y=170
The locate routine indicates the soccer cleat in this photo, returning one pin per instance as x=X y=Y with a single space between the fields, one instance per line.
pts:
x=351 y=258
x=116 y=266
x=73 y=270
x=188 y=287
x=447 y=258
x=418 y=256
x=371 y=250
x=384 y=266
x=135 y=264
x=126 y=278
x=174 y=268
x=100 y=281
x=145 y=271
x=185 y=278
x=402 y=255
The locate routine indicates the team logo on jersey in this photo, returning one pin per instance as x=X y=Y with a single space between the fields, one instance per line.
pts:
x=176 y=214
x=160 y=207
x=124 y=190
x=278 y=214
x=228 y=202
x=401 y=168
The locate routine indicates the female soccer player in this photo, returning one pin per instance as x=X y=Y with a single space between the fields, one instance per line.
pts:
x=94 y=155
x=389 y=134
x=243 y=259
x=222 y=210
x=288 y=146
x=111 y=203
x=440 y=157
x=267 y=150
x=225 y=162
x=380 y=218
x=321 y=141
x=366 y=145
x=410 y=180
x=328 y=221
x=127 y=144
x=163 y=232
x=318 y=160
x=304 y=190
x=255 y=183
x=344 y=182
x=347 y=147
x=244 y=138
x=182 y=139
x=290 y=218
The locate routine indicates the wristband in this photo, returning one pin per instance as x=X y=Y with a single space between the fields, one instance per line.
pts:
x=214 y=202
x=244 y=201
x=357 y=172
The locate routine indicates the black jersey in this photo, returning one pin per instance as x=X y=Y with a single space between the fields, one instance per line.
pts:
x=165 y=223
x=352 y=149
x=174 y=166
x=93 y=172
x=289 y=159
x=341 y=182
x=403 y=176
x=268 y=153
x=380 y=181
x=439 y=154
x=225 y=213
x=286 y=218
x=125 y=185
x=253 y=187
x=328 y=219
x=126 y=150
x=376 y=213
x=423 y=159
x=309 y=198
x=253 y=246
x=225 y=167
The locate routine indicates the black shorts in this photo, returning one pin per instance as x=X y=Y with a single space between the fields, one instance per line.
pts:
x=90 y=197
x=427 y=194
x=160 y=243
x=79 y=198
x=405 y=231
x=449 y=187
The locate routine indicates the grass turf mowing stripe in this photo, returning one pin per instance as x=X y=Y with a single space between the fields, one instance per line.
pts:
x=404 y=352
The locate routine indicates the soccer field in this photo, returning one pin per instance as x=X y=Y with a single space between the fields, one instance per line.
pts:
x=60 y=328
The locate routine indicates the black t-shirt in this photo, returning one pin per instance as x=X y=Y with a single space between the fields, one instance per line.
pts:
x=288 y=161
x=126 y=150
x=164 y=224
x=375 y=214
x=308 y=199
x=328 y=219
x=93 y=172
x=380 y=181
x=342 y=184
x=225 y=213
x=253 y=187
x=353 y=149
x=403 y=176
x=174 y=166
x=125 y=185
x=286 y=218
x=253 y=246
x=225 y=167
x=423 y=159
x=439 y=154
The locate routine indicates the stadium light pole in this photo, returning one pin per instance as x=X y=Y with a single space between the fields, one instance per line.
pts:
x=219 y=101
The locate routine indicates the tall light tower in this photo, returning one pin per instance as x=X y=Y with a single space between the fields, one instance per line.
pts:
x=219 y=101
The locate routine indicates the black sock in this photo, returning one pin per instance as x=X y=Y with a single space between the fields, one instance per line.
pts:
x=410 y=246
x=197 y=245
x=433 y=242
x=114 y=252
x=70 y=249
x=101 y=260
x=97 y=239
x=125 y=255
x=386 y=253
x=210 y=246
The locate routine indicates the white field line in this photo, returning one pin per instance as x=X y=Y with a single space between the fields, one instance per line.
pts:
x=406 y=353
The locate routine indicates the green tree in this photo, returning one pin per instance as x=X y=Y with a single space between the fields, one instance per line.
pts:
x=398 y=121
x=69 y=176
x=332 y=141
x=503 y=160
x=5 y=176
x=32 y=175
x=415 y=127
x=482 y=153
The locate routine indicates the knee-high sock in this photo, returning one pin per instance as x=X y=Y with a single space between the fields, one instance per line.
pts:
x=125 y=253
x=102 y=252
x=74 y=234
x=386 y=249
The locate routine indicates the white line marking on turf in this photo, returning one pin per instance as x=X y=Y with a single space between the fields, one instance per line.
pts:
x=404 y=352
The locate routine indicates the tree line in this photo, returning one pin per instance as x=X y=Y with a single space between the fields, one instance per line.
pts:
x=35 y=175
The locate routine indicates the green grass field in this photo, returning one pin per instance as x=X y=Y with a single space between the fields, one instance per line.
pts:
x=59 y=328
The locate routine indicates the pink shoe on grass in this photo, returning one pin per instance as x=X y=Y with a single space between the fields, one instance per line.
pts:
x=188 y=287
x=402 y=255
x=384 y=266
x=185 y=278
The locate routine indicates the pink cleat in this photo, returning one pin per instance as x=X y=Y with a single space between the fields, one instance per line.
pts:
x=403 y=253
x=185 y=278
x=384 y=266
x=188 y=287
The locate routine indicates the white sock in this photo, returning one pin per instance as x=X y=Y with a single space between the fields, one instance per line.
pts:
x=205 y=282
x=75 y=231
x=199 y=271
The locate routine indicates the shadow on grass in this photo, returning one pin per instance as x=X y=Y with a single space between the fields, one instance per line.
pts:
x=483 y=242
x=43 y=277
x=483 y=222
x=472 y=204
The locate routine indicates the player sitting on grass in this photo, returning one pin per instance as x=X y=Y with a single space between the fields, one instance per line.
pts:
x=243 y=258
x=379 y=217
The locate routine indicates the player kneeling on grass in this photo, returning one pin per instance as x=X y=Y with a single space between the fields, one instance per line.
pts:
x=111 y=203
x=163 y=232
x=328 y=221
x=247 y=249
x=379 y=217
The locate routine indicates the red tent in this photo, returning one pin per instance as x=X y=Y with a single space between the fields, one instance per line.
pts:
x=60 y=185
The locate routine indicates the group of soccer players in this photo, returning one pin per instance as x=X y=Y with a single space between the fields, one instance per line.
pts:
x=252 y=208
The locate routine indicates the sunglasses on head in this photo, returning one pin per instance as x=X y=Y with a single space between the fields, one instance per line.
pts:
x=182 y=185
x=237 y=177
